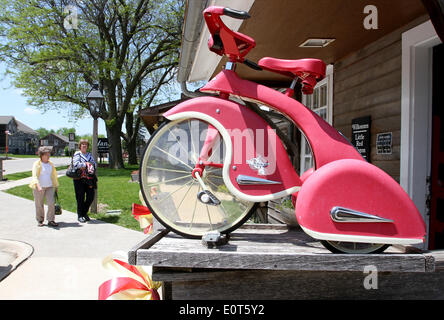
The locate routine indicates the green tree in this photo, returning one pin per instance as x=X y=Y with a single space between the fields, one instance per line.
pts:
x=56 y=50
x=65 y=131
x=43 y=132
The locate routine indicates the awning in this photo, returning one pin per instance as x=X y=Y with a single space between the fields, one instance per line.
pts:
x=280 y=27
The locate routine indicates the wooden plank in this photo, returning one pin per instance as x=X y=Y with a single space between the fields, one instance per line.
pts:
x=344 y=71
x=265 y=285
x=438 y=256
x=379 y=44
x=381 y=111
x=370 y=87
x=270 y=250
x=277 y=261
x=374 y=71
x=155 y=236
x=383 y=97
x=263 y=226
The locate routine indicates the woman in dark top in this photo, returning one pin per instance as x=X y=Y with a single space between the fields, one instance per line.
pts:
x=85 y=185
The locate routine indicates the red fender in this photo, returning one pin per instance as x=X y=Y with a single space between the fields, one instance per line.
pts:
x=359 y=186
x=251 y=137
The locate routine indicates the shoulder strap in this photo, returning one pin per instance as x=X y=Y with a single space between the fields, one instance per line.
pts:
x=84 y=158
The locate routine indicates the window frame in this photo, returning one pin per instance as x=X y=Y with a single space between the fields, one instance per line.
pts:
x=308 y=101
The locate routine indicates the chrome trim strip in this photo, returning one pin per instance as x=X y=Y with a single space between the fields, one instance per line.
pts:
x=247 y=180
x=339 y=214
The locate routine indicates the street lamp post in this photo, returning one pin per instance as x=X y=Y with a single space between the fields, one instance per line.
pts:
x=95 y=101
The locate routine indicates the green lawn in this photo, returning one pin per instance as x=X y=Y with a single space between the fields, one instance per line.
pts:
x=114 y=190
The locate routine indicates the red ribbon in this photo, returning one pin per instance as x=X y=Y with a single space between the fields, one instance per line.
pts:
x=139 y=212
x=119 y=284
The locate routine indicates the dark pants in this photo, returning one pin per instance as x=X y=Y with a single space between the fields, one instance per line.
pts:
x=84 y=197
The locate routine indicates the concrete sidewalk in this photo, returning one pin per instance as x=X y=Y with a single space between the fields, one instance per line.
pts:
x=64 y=262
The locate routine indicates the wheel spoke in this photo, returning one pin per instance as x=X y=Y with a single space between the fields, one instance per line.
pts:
x=174 y=207
x=215 y=190
x=194 y=210
x=213 y=152
x=185 y=196
x=180 y=188
x=174 y=157
x=169 y=170
x=212 y=169
x=193 y=148
x=214 y=176
x=171 y=180
x=180 y=144
x=209 y=218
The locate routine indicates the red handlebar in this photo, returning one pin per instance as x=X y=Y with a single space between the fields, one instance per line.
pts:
x=224 y=41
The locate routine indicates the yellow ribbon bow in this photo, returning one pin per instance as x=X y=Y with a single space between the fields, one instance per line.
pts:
x=129 y=282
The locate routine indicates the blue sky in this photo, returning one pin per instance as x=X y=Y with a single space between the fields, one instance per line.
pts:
x=13 y=103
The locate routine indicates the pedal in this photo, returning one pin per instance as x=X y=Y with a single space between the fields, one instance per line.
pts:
x=206 y=197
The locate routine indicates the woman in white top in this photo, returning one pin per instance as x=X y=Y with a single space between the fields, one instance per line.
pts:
x=44 y=183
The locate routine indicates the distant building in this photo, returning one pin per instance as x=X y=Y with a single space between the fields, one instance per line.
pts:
x=20 y=138
x=57 y=142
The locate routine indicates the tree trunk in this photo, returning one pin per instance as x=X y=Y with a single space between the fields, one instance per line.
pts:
x=115 y=147
x=132 y=151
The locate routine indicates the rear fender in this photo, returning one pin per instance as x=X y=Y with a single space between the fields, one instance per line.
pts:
x=256 y=165
x=357 y=186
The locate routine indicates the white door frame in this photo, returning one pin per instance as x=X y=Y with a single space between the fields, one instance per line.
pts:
x=416 y=112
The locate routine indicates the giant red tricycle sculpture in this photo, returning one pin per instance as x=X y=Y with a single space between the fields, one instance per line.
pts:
x=216 y=157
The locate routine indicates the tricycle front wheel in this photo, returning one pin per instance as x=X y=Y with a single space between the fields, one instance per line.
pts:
x=170 y=190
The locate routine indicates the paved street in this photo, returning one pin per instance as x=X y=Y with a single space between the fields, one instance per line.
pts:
x=25 y=164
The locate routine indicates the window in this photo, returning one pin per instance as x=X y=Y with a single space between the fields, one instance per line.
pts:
x=321 y=102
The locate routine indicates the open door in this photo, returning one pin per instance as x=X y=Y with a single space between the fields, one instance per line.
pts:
x=436 y=238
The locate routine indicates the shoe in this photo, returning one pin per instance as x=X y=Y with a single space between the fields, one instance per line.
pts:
x=53 y=224
x=87 y=218
x=40 y=224
x=82 y=219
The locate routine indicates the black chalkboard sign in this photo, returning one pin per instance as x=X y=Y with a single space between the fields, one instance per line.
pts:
x=361 y=136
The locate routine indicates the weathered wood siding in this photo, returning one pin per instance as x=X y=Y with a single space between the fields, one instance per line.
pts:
x=368 y=82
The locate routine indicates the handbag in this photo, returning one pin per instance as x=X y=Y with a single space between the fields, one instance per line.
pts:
x=72 y=172
x=57 y=206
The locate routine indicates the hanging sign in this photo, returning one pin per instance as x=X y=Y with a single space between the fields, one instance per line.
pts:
x=102 y=145
x=72 y=145
x=384 y=143
x=361 y=136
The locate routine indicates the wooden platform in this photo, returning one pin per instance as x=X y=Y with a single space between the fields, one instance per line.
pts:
x=273 y=256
